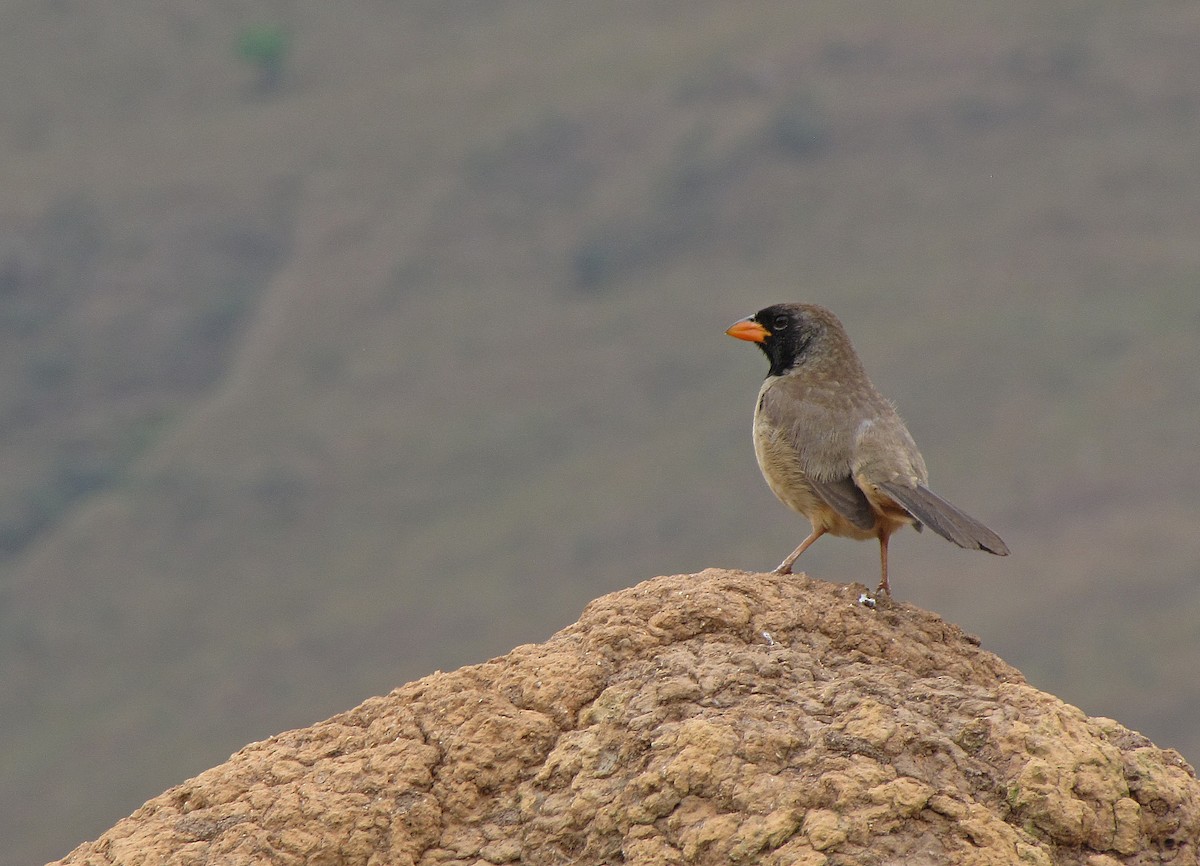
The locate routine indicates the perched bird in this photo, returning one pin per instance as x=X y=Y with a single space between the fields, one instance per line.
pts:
x=833 y=448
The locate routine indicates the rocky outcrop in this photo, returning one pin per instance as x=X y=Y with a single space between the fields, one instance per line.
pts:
x=721 y=717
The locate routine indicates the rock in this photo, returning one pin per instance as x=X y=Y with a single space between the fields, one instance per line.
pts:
x=719 y=717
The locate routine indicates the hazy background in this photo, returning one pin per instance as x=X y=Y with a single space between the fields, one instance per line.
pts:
x=343 y=342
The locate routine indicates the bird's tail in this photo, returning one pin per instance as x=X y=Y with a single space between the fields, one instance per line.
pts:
x=945 y=519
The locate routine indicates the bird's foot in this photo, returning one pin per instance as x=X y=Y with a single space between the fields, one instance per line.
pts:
x=783 y=568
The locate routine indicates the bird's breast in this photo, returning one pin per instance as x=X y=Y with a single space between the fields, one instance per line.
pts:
x=781 y=468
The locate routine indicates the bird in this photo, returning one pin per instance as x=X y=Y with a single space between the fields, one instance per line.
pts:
x=832 y=448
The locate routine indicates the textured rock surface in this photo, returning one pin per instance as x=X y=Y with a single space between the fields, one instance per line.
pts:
x=722 y=717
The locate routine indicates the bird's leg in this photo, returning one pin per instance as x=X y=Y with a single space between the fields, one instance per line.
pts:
x=785 y=567
x=883 y=584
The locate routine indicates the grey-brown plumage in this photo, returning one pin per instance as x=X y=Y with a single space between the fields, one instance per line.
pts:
x=833 y=448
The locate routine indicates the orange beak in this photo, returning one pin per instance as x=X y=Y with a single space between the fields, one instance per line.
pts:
x=748 y=329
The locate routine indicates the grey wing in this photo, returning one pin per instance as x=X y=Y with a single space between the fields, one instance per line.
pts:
x=885 y=451
x=844 y=497
x=892 y=463
x=824 y=459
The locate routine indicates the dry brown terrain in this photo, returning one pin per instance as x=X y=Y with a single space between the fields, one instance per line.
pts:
x=713 y=718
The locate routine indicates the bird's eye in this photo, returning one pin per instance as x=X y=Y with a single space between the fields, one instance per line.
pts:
x=780 y=322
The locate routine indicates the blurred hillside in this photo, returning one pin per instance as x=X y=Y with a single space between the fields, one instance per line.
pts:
x=443 y=294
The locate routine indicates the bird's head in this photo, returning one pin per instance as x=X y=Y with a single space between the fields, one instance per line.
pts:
x=787 y=333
